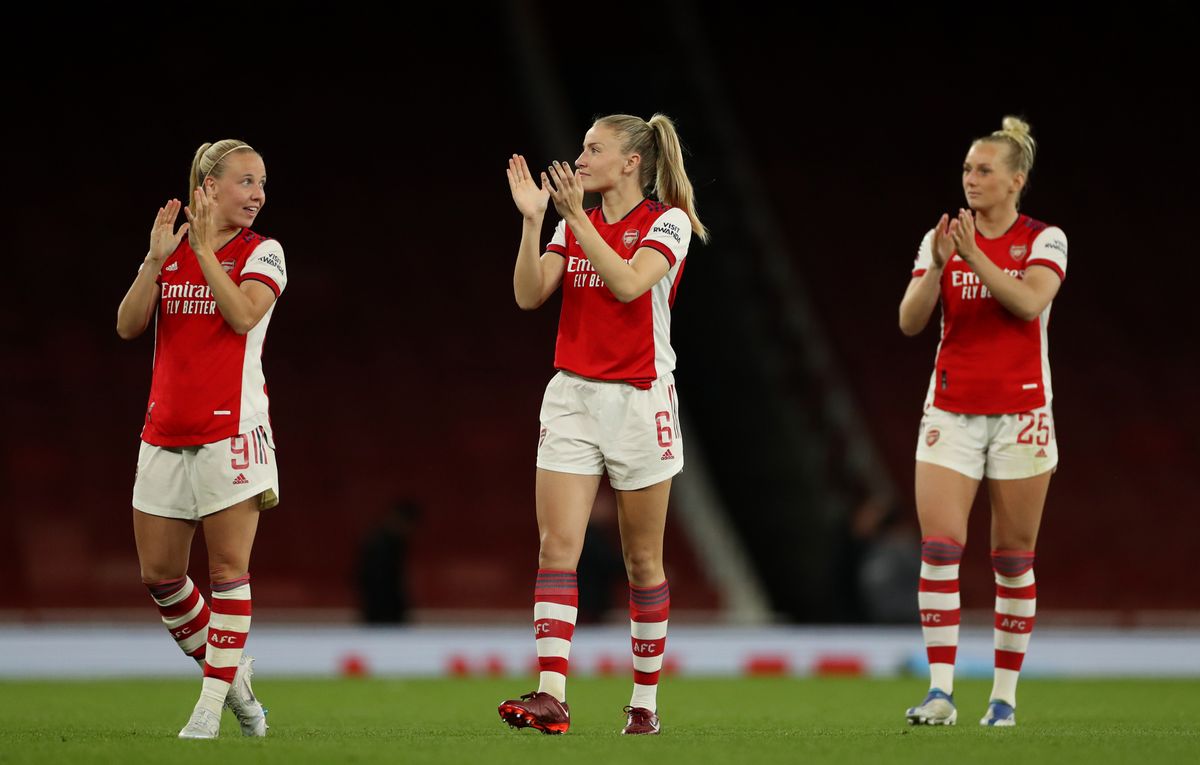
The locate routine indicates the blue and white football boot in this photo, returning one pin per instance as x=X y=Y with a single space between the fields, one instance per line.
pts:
x=936 y=709
x=1000 y=714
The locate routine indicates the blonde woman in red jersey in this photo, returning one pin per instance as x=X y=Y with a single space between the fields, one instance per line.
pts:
x=207 y=454
x=612 y=405
x=995 y=272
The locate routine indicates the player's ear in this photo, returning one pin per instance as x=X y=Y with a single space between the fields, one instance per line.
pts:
x=633 y=163
x=1018 y=182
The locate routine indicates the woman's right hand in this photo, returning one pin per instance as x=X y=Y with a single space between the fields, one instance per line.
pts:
x=530 y=199
x=163 y=241
x=942 y=244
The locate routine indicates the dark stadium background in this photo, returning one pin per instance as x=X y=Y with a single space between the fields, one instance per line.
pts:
x=400 y=368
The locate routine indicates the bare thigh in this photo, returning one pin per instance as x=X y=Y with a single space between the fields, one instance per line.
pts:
x=564 y=504
x=229 y=536
x=642 y=514
x=164 y=545
x=1017 y=511
x=944 y=499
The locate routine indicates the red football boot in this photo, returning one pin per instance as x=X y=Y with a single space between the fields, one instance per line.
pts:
x=642 y=722
x=537 y=710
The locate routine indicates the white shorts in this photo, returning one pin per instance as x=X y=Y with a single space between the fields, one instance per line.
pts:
x=589 y=426
x=1002 y=446
x=190 y=482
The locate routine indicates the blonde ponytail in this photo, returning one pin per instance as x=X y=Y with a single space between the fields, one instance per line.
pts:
x=662 y=161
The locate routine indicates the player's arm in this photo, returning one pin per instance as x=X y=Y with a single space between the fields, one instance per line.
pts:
x=537 y=274
x=1024 y=298
x=242 y=306
x=626 y=279
x=133 y=315
x=925 y=287
x=919 y=300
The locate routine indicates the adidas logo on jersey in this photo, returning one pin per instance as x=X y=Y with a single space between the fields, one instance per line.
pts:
x=173 y=267
x=667 y=455
x=1040 y=453
x=241 y=479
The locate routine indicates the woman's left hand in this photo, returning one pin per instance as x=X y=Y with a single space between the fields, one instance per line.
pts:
x=202 y=229
x=962 y=232
x=565 y=190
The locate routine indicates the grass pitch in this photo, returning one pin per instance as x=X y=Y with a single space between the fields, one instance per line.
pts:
x=740 y=721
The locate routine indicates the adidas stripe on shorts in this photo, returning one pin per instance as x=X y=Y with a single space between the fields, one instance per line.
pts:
x=190 y=482
x=592 y=426
x=1001 y=446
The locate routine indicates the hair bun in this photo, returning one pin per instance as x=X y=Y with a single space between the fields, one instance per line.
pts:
x=1016 y=126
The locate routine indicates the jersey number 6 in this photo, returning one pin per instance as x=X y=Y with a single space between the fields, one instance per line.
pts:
x=662 y=421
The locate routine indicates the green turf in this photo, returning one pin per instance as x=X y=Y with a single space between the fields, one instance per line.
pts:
x=738 y=722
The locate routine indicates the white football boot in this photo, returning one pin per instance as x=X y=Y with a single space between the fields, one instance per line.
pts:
x=242 y=702
x=204 y=724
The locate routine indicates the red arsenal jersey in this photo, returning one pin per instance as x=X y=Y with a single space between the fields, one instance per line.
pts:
x=599 y=336
x=208 y=381
x=989 y=361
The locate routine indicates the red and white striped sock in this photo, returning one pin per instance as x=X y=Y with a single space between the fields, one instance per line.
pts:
x=227 y=630
x=937 y=598
x=649 y=608
x=1016 y=609
x=555 y=607
x=184 y=612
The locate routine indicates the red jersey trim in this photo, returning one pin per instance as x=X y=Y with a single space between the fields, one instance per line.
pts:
x=675 y=288
x=557 y=249
x=1048 y=264
x=919 y=272
x=263 y=278
x=661 y=248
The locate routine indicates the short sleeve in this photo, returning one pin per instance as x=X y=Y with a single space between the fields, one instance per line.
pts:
x=266 y=265
x=1050 y=250
x=670 y=234
x=558 y=242
x=924 y=255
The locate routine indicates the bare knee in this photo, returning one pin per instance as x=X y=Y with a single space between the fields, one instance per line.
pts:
x=644 y=567
x=220 y=574
x=1014 y=541
x=153 y=573
x=163 y=546
x=559 y=551
x=223 y=568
